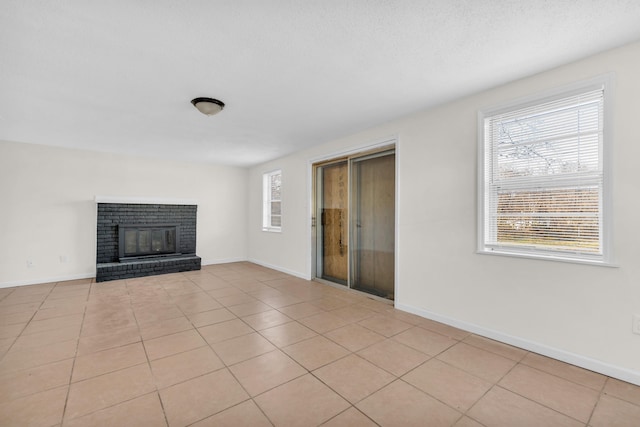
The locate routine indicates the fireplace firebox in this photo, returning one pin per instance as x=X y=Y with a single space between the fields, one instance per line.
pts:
x=144 y=241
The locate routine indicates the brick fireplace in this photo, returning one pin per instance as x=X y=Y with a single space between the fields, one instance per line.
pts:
x=136 y=239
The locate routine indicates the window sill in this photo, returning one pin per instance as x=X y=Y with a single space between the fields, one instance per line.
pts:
x=543 y=257
x=272 y=229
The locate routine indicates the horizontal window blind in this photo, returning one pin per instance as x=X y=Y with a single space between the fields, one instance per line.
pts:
x=272 y=200
x=544 y=176
x=274 y=187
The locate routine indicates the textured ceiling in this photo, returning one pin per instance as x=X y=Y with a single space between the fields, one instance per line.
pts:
x=118 y=76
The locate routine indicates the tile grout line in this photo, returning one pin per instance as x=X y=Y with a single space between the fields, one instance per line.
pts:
x=600 y=394
x=520 y=363
x=493 y=385
x=434 y=357
x=75 y=356
x=349 y=353
x=157 y=391
x=227 y=367
x=28 y=322
x=497 y=383
x=278 y=348
x=224 y=366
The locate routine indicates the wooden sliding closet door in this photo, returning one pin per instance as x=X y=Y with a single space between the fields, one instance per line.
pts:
x=334 y=221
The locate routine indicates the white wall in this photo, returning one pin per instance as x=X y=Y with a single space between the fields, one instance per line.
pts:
x=274 y=249
x=48 y=209
x=573 y=312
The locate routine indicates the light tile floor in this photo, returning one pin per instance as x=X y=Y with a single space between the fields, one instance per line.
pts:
x=241 y=345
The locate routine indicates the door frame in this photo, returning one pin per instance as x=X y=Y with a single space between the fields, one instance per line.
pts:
x=371 y=147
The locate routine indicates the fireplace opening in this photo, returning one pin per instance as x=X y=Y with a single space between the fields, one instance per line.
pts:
x=146 y=241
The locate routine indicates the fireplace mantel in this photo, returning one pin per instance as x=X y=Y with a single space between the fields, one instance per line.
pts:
x=145 y=200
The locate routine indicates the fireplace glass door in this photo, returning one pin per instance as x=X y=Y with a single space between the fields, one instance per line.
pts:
x=141 y=240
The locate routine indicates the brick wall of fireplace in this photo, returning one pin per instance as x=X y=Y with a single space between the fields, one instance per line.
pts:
x=111 y=215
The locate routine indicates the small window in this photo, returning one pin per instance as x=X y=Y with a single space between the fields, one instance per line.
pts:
x=272 y=201
x=542 y=177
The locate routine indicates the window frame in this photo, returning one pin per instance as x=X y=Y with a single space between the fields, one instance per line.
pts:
x=267 y=213
x=604 y=82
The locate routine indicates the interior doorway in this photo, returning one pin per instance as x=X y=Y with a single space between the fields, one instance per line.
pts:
x=354 y=219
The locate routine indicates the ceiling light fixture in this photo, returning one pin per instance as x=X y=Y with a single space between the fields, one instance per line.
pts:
x=208 y=106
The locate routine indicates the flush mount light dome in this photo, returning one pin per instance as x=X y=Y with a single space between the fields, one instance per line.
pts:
x=208 y=106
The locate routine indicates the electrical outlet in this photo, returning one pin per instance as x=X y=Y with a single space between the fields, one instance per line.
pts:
x=30 y=263
x=63 y=259
x=636 y=324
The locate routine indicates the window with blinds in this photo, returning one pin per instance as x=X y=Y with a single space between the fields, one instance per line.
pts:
x=542 y=191
x=272 y=201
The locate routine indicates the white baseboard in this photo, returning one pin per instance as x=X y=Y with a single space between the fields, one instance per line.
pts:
x=221 y=261
x=280 y=269
x=47 y=280
x=604 y=368
x=13 y=283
